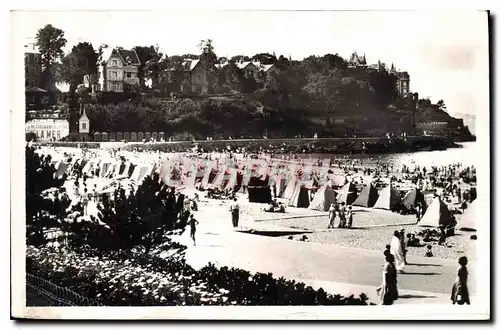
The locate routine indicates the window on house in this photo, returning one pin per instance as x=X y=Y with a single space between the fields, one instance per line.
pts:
x=129 y=75
x=115 y=74
x=114 y=63
x=84 y=126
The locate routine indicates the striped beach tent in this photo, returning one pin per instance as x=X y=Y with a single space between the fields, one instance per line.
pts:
x=290 y=188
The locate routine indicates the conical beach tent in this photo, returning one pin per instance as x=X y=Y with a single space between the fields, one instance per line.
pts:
x=337 y=180
x=437 y=214
x=232 y=181
x=412 y=198
x=323 y=198
x=388 y=199
x=467 y=221
x=347 y=194
x=280 y=186
x=367 y=197
x=300 y=197
x=290 y=188
x=219 y=178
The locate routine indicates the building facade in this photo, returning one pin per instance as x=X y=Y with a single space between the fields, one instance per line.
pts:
x=32 y=65
x=249 y=69
x=84 y=126
x=48 y=129
x=117 y=69
x=357 y=61
x=403 y=83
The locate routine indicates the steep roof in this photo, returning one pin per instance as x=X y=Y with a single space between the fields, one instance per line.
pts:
x=36 y=89
x=124 y=54
x=243 y=65
x=189 y=64
x=127 y=54
x=84 y=116
x=266 y=67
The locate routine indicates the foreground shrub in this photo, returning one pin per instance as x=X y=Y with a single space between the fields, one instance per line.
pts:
x=125 y=278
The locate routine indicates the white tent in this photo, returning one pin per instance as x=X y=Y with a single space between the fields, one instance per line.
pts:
x=437 y=214
x=323 y=198
x=290 y=188
x=467 y=221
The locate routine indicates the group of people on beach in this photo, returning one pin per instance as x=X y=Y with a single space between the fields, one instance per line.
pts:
x=395 y=261
x=342 y=212
x=395 y=253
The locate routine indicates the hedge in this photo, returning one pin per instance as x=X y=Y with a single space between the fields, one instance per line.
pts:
x=134 y=279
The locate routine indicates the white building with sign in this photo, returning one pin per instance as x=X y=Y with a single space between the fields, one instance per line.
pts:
x=48 y=129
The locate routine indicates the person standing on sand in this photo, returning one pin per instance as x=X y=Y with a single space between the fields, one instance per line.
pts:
x=85 y=201
x=388 y=291
x=342 y=216
x=397 y=252
x=331 y=216
x=349 y=217
x=192 y=223
x=235 y=212
x=403 y=244
x=460 y=292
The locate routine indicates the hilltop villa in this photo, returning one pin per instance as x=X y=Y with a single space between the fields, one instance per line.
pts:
x=118 y=68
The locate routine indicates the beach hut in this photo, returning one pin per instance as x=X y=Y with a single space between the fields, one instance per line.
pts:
x=136 y=173
x=131 y=170
x=86 y=169
x=367 y=197
x=389 y=199
x=104 y=168
x=347 y=194
x=300 y=197
x=323 y=198
x=412 y=198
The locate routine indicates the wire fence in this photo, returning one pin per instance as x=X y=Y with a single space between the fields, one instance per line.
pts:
x=40 y=292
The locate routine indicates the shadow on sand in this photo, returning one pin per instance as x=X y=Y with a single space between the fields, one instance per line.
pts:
x=409 y=296
x=423 y=265
x=413 y=273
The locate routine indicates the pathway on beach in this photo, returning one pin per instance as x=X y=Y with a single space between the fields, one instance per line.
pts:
x=336 y=269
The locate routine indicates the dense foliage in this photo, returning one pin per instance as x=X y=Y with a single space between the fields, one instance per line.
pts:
x=319 y=94
x=131 y=279
x=305 y=146
x=40 y=209
x=141 y=218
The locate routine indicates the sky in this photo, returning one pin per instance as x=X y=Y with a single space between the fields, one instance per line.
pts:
x=445 y=52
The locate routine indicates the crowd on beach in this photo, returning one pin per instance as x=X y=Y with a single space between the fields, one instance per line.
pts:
x=395 y=261
x=451 y=183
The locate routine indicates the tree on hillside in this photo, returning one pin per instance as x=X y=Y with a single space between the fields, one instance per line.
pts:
x=265 y=58
x=209 y=59
x=384 y=85
x=441 y=105
x=81 y=61
x=50 y=42
x=335 y=62
x=152 y=64
x=239 y=58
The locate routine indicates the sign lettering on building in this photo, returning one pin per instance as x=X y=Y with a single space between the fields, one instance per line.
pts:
x=48 y=129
